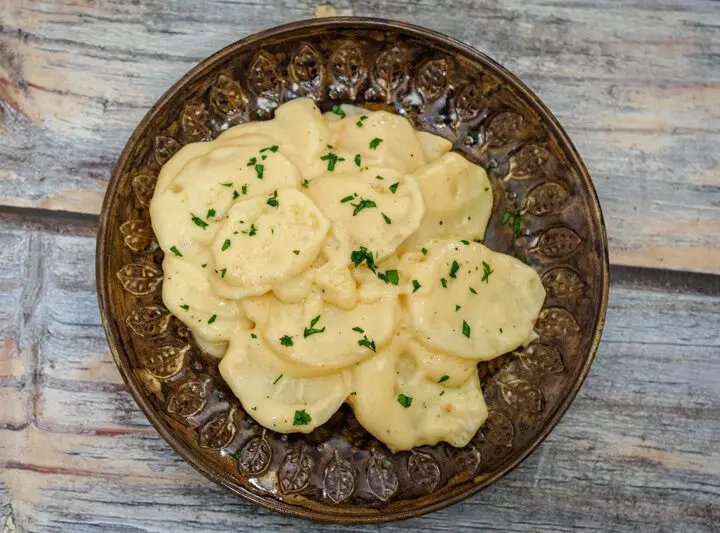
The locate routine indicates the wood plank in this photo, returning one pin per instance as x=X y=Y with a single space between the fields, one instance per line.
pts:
x=638 y=450
x=637 y=85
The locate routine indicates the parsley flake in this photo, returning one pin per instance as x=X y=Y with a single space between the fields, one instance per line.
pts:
x=443 y=282
x=259 y=169
x=454 y=268
x=473 y=290
x=211 y=213
x=228 y=184
x=457 y=307
x=358 y=329
x=226 y=245
x=332 y=160
x=312 y=330
x=281 y=375
x=486 y=272
x=212 y=319
x=347 y=199
x=416 y=285
x=186 y=307
x=387 y=218
x=236 y=195
x=358 y=160
x=302 y=418
x=253 y=336
x=390 y=276
x=273 y=149
x=405 y=401
x=305 y=183
x=223 y=272
x=466 y=243
x=338 y=111
x=379 y=177
x=244 y=188
x=359 y=123
x=286 y=340
x=363 y=204
x=466 y=329
x=363 y=254
x=273 y=201
x=424 y=251
x=443 y=379
x=394 y=186
x=174 y=250
x=296 y=252
x=368 y=343
x=375 y=143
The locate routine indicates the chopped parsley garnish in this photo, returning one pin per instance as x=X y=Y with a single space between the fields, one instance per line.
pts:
x=186 y=307
x=204 y=265
x=416 y=285
x=281 y=375
x=296 y=252
x=424 y=251
x=236 y=195
x=375 y=143
x=226 y=245
x=486 y=272
x=390 y=276
x=338 y=111
x=405 y=401
x=174 y=250
x=273 y=149
x=332 y=160
x=359 y=123
x=273 y=201
x=516 y=218
x=305 y=183
x=523 y=259
x=362 y=204
x=443 y=282
x=358 y=329
x=473 y=290
x=259 y=169
x=367 y=343
x=358 y=160
x=379 y=177
x=442 y=392
x=386 y=218
x=466 y=329
x=466 y=243
x=253 y=336
x=443 y=379
x=286 y=340
x=454 y=268
x=302 y=418
x=212 y=319
x=252 y=161
x=457 y=307
x=312 y=330
x=347 y=199
x=252 y=232
x=363 y=254
x=223 y=272
x=211 y=213
x=394 y=186
x=228 y=184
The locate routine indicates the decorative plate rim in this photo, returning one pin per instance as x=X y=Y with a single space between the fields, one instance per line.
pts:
x=342 y=515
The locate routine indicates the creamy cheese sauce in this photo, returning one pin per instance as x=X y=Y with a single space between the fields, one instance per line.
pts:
x=335 y=258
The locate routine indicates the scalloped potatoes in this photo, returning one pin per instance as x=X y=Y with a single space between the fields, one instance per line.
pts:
x=330 y=259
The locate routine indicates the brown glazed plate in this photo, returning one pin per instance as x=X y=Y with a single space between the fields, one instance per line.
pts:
x=546 y=212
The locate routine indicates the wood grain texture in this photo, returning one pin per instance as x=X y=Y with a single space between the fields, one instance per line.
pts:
x=638 y=450
x=636 y=84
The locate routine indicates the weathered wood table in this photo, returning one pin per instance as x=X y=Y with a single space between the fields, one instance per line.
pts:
x=635 y=82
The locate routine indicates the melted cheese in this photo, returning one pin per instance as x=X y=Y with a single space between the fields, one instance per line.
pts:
x=292 y=252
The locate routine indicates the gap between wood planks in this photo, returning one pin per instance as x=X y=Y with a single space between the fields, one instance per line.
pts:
x=86 y=224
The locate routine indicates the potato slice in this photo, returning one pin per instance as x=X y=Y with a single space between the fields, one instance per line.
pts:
x=189 y=212
x=276 y=394
x=186 y=293
x=322 y=334
x=472 y=302
x=378 y=214
x=433 y=146
x=458 y=201
x=265 y=241
x=393 y=399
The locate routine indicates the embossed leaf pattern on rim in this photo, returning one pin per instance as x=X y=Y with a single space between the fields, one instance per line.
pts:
x=529 y=159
